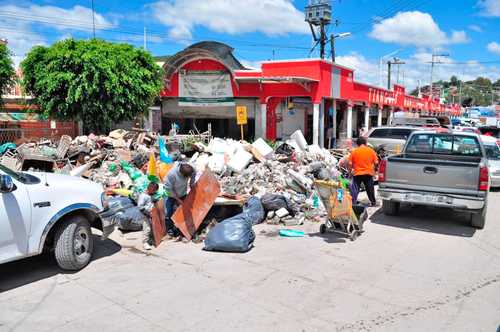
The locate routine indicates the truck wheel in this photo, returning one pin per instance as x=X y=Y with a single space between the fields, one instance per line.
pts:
x=478 y=220
x=390 y=208
x=73 y=244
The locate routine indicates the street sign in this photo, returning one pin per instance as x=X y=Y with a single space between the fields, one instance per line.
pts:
x=241 y=115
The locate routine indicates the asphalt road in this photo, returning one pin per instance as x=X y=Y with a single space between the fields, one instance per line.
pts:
x=423 y=270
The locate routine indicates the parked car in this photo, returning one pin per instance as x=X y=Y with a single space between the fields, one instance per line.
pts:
x=391 y=138
x=49 y=212
x=428 y=122
x=468 y=130
x=435 y=169
x=491 y=131
x=493 y=156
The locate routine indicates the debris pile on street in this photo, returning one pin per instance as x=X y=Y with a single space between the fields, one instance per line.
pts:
x=125 y=162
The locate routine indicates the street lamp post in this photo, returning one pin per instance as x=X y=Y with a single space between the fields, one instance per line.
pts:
x=332 y=41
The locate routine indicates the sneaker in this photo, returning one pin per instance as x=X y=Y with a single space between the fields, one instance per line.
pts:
x=147 y=246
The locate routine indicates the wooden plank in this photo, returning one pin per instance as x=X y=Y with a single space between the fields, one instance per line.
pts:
x=158 y=222
x=189 y=216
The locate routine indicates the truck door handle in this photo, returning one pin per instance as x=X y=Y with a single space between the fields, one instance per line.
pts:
x=430 y=170
x=42 y=204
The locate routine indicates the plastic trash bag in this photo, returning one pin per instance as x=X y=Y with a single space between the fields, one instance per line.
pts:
x=235 y=234
x=141 y=181
x=164 y=157
x=130 y=219
x=274 y=202
x=285 y=149
x=6 y=147
x=117 y=204
x=254 y=211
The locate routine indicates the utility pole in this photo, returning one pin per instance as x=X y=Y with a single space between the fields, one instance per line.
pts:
x=395 y=61
x=332 y=46
x=93 y=18
x=434 y=61
x=318 y=13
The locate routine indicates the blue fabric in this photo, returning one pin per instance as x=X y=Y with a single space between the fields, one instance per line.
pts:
x=164 y=157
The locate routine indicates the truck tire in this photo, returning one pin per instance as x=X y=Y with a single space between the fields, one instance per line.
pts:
x=73 y=244
x=477 y=220
x=390 y=208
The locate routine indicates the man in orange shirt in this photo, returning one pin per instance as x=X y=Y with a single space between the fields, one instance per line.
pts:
x=363 y=161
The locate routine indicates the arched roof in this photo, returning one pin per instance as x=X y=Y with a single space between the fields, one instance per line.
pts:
x=206 y=49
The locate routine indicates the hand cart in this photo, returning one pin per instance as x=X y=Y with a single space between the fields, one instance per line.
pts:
x=351 y=223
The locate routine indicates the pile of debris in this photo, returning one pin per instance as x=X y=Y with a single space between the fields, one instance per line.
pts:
x=119 y=162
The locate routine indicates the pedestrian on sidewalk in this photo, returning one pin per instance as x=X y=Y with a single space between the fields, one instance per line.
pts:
x=363 y=161
x=176 y=184
x=146 y=202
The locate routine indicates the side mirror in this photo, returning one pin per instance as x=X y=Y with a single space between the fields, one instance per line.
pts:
x=6 y=184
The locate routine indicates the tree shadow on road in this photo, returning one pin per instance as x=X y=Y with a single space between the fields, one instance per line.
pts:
x=32 y=269
x=428 y=219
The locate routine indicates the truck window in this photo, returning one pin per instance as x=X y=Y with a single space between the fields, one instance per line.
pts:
x=380 y=133
x=444 y=144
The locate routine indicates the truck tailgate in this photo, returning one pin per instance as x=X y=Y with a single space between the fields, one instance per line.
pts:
x=432 y=175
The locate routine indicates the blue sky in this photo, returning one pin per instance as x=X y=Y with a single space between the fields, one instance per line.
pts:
x=468 y=30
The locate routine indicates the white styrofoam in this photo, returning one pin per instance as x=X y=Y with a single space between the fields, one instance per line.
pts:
x=240 y=160
x=282 y=213
x=298 y=137
x=264 y=149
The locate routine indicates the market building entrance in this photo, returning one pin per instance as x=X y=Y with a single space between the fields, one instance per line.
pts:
x=205 y=83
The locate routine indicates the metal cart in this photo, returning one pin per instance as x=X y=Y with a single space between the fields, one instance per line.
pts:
x=349 y=225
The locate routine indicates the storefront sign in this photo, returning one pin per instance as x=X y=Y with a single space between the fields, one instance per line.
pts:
x=205 y=88
x=241 y=115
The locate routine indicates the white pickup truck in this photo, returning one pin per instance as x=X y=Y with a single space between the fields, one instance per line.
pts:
x=49 y=212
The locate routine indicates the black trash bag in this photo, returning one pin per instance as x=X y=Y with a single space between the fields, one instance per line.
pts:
x=130 y=219
x=285 y=149
x=117 y=204
x=124 y=214
x=253 y=210
x=273 y=202
x=319 y=171
x=235 y=234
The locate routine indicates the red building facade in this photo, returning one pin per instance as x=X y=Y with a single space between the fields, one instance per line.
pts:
x=311 y=94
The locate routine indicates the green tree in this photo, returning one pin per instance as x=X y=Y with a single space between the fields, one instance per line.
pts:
x=7 y=72
x=95 y=81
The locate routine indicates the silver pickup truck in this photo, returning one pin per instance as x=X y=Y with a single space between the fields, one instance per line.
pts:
x=448 y=170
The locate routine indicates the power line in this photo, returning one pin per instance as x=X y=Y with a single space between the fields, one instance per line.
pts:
x=151 y=33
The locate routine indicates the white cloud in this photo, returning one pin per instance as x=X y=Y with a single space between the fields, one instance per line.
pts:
x=490 y=7
x=17 y=22
x=271 y=17
x=475 y=28
x=76 y=18
x=365 y=70
x=459 y=37
x=494 y=47
x=414 y=28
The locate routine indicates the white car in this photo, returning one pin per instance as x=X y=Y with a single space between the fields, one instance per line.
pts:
x=46 y=211
x=493 y=156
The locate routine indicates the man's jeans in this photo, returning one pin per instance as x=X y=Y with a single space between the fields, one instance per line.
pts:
x=170 y=206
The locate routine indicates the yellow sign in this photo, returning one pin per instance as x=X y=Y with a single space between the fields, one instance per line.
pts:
x=241 y=115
